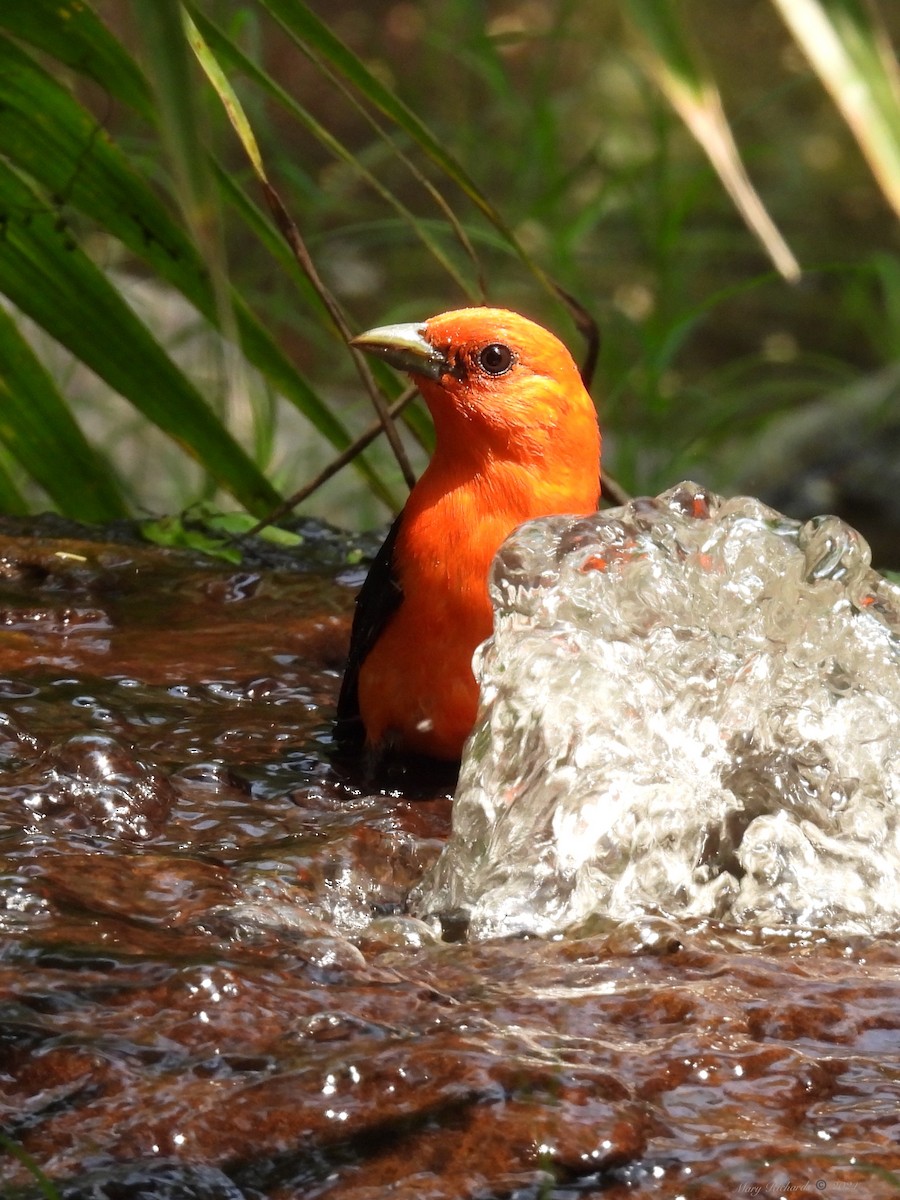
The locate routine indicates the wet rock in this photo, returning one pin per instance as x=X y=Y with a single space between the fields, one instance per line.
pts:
x=162 y=890
x=93 y=783
x=156 y=1181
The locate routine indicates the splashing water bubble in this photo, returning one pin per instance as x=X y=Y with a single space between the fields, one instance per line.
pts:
x=91 y=782
x=690 y=706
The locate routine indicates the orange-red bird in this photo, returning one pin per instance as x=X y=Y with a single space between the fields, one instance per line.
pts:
x=516 y=438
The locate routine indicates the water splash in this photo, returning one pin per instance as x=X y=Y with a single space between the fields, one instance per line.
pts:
x=691 y=706
x=90 y=782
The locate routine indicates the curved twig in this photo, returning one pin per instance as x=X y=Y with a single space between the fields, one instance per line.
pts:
x=346 y=456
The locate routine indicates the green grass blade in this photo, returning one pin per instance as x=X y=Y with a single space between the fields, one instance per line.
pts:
x=678 y=69
x=295 y=239
x=39 y=431
x=199 y=43
x=317 y=40
x=47 y=134
x=47 y=276
x=431 y=189
x=12 y=502
x=181 y=119
x=849 y=49
x=224 y=50
x=309 y=403
x=47 y=1187
x=312 y=33
x=71 y=32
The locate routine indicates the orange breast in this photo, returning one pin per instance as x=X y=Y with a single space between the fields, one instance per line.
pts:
x=416 y=687
x=417 y=691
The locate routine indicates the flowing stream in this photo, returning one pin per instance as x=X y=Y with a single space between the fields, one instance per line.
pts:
x=211 y=987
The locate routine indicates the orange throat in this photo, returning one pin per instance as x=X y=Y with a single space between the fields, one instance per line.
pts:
x=417 y=689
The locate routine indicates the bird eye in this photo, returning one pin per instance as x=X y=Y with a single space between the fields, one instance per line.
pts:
x=496 y=359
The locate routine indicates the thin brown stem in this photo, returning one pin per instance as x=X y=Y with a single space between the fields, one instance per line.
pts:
x=356 y=447
x=292 y=236
x=587 y=326
x=612 y=490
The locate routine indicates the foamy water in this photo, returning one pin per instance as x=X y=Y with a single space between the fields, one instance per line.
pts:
x=691 y=706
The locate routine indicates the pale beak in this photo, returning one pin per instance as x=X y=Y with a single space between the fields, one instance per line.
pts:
x=405 y=348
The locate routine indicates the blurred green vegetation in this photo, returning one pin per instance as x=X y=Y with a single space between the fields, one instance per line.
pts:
x=580 y=170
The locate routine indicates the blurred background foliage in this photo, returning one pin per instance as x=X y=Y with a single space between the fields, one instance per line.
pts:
x=161 y=347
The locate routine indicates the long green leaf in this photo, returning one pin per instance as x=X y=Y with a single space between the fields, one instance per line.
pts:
x=47 y=1187
x=12 y=502
x=259 y=223
x=225 y=51
x=39 y=430
x=180 y=121
x=45 y=132
x=210 y=62
x=313 y=34
x=678 y=69
x=47 y=276
x=71 y=32
x=316 y=39
x=297 y=242
x=847 y=45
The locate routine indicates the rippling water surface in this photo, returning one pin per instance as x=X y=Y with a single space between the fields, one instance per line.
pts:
x=209 y=986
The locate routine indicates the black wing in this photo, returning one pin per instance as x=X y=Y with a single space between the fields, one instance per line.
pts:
x=379 y=598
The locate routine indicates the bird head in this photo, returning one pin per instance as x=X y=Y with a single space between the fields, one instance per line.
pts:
x=493 y=381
